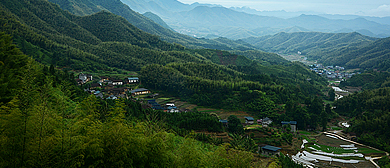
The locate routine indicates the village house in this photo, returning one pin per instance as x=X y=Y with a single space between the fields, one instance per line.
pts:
x=117 y=91
x=95 y=85
x=112 y=97
x=131 y=80
x=108 y=87
x=266 y=121
x=270 y=150
x=103 y=79
x=249 y=120
x=293 y=125
x=79 y=81
x=85 y=77
x=224 y=122
x=98 y=94
x=117 y=82
x=139 y=91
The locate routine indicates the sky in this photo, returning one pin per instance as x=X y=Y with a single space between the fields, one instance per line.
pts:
x=379 y=8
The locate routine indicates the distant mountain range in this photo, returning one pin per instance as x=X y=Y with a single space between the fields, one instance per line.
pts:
x=210 y=21
x=352 y=50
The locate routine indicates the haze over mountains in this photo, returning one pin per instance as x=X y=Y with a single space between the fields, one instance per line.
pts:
x=352 y=50
x=205 y=20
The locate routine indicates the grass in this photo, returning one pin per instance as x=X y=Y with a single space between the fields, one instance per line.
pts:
x=205 y=111
x=336 y=128
x=329 y=149
x=304 y=132
x=367 y=151
x=310 y=140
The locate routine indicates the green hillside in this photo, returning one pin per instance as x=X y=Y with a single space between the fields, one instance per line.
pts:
x=46 y=120
x=106 y=42
x=370 y=116
x=89 y=7
x=156 y=19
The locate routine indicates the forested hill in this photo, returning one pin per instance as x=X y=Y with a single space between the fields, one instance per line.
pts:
x=370 y=116
x=54 y=36
x=156 y=19
x=46 y=120
x=352 y=50
x=88 y=7
x=106 y=42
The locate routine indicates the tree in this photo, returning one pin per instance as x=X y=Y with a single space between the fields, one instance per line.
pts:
x=331 y=94
x=234 y=125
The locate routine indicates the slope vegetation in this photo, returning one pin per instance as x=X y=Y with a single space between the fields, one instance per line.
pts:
x=106 y=42
x=89 y=7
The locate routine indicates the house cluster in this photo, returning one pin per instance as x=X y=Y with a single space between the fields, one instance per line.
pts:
x=332 y=72
x=111 y=88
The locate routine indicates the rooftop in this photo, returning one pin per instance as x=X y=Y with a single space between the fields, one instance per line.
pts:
x=289 y=122
x=249 y=118
x=223 y=121
x=271 y=148
x=139 y=90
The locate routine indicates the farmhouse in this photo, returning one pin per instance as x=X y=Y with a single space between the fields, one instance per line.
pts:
x=293 y=125
x=224 y=122
x=139 y=91
x=117 y=91
x=249 y=120
x=85 y=77
x=103 y=79
x=270 y=150
x=95 y=85
x=132 y=80
x=117 y=82
x=266 y=121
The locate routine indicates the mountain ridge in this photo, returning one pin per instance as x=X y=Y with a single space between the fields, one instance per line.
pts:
x=352 y=50
x=219 y=20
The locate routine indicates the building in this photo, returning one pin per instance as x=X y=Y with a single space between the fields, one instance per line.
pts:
x=117 y=82
x=85 y=77
x=293 y=125
x=112 y=97
x=266 y=121
x=249 y=120
x=103 y=79
x=98 y=94
x=79 y=81
x=132 y=80
x=139 y=91
x=270 y=150
x=95 y=85
x=224 y=122
x=117 y=91
x=109 y=86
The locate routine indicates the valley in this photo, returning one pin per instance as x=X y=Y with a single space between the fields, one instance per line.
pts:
x=110 y=83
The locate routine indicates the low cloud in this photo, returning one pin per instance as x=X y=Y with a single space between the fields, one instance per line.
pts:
x=382 y=11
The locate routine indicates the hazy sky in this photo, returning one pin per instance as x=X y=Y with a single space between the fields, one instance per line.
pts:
x=361 y=7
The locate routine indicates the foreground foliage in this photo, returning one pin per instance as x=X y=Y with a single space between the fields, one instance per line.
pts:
x=50 y=122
